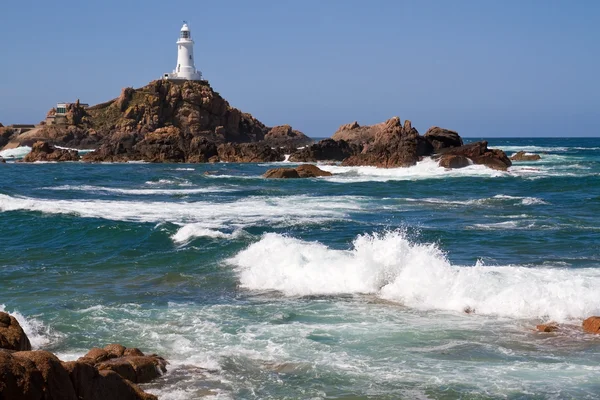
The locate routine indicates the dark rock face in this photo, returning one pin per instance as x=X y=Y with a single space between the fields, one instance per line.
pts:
x=452 y=161
x=325 y=150
x=522 y=156
x=5 y=135
x=248 y=152
x=394 y=145
x=547 y=328
x=440 y=138
x=479 y=153
x=43 y=151
x=109 y=373
x=301 y=171
x=12 y=336
x=285 y=136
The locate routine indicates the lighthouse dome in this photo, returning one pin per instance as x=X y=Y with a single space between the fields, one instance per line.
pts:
x=185 y=28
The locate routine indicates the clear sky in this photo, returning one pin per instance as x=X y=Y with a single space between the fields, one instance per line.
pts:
x=481 y=67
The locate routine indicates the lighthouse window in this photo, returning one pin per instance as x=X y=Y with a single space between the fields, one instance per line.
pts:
x=190 y=57
x=185 y=35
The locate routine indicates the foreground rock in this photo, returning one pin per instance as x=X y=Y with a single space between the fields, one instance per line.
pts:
x=302 y=171
x=12 y=336
x=43 y=151
x=325 y=150
x=592 y=325
x=478 y=153
x=547 y=328
x=109 y=373
x=523 y=156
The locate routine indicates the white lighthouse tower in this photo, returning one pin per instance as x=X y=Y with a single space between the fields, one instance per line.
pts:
x=185 y=69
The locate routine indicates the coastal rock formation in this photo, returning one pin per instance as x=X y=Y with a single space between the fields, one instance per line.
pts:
x=394 y=145
x=108 y=373
x=454 y=161
x=479 y=153
x=440 y=138
x=523 y=156
x=325 y=150
x=6 y=134
x=301 y=171
x=248 y=152
x=285 y=136
x=354 y=133
x=43 y=151
x=592 y=325
x=12 y=336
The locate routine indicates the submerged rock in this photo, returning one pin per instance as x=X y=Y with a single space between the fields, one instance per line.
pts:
x=547 y=328
x=43 y=151
x=523 y=156
x=302 y=171
x=592 y=325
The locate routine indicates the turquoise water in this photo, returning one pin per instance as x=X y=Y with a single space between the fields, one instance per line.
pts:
x=347 y=287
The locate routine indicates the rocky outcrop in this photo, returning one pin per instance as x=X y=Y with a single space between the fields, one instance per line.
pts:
x=285 y=136
x=301 y=171
x=12 y=336
x=547 y=328
x=592 y=325
x=325 y=150
x=248 y=152
x=440 y=138
x=109 y=373
x=354 y=133
x=479 y=153
x=394 y=145
x=6 y=134
x=43 y=151
x=523 y=156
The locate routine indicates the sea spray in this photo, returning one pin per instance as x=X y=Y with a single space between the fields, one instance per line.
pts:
x=416 y=275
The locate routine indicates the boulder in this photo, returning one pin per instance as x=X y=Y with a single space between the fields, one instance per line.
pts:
x=285 y=136
x=325 y=150
x=479 y=153
x=523 y=156
x=452 y=161
x=301 y=171
x=137 y=369
x=547 y=328
x=278 y=173
x=12 y=336
x=592 y=325
x=440 y=138
x=43 y=151
x=311 y=171
x=56 y=383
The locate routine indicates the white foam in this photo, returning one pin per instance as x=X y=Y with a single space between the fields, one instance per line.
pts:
x=18 y=152
x=39 y=335
x=416 y=275
x=532 y=149
x=80 y=151
x=96 y=189
x=190 y=231
x=489 y=201
x=426 y=169
x=248 y=211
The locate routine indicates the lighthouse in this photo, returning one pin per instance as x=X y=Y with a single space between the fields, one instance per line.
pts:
x=185 y=70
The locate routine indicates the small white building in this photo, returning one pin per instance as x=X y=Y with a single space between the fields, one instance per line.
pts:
x=186 y=70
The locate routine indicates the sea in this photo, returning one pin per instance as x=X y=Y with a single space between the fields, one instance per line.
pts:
x=408 y=283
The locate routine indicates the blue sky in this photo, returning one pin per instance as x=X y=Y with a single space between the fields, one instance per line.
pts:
x=483 y=68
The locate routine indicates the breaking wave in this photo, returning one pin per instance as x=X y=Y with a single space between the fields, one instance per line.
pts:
x=416 y=275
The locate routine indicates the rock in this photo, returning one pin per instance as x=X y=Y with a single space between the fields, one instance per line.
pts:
x=523 y=156
x=440 y=138
x=311 y=171
x=133 y=352
x=479 y=153
x=452 y=161
x=592 y=325
x=2 y=160
x=137 y=369
x=278 y=173
x=285 y=136
x=12 y=336
x=115 y=350
x=301 y=171
x=248 y=152
x=394 y=145
x=43 y=151
x=353 y=133
x=55 y=378
x=325 y=150
x=547 y=328
x=6 y=135
x=96 y=355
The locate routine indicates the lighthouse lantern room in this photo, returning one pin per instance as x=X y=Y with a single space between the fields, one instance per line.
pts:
x=185 y=69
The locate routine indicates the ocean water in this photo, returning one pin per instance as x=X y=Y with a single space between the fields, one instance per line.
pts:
x=347 y=287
